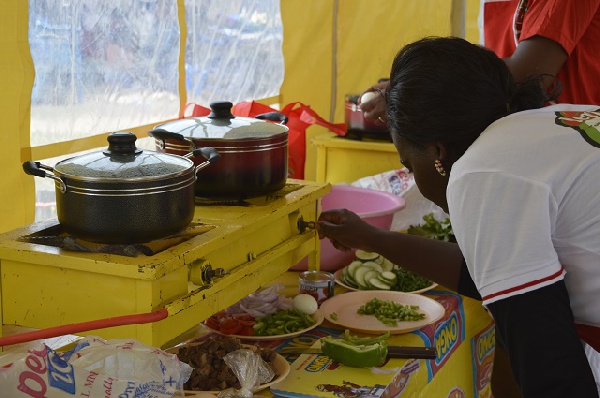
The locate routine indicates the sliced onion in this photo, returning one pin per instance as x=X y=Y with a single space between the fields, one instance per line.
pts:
x=261 y=304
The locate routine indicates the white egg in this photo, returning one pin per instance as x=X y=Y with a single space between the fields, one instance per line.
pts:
x=368 y=96
x=305 y=303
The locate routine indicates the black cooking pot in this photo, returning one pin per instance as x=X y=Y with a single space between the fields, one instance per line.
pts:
x=124 y=194
x=253 y=151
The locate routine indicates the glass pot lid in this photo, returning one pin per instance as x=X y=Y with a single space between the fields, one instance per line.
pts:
x=123 y=160
x=222 y=124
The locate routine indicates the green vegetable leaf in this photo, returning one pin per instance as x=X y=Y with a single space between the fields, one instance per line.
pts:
x=434 y=229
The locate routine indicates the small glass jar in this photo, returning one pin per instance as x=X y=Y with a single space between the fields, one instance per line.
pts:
x=318 y=284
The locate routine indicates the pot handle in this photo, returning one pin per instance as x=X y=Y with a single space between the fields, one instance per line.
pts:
x=209 y=153
x=36 y=169
x=273 y=116
x=164 y=135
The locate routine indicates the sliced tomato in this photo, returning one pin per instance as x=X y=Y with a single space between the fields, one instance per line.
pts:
x=247 y=331
x=231 y=329
x=240 y=324
x=230 y=325
x=246 y=323
x=244 y=317
x=212 y=323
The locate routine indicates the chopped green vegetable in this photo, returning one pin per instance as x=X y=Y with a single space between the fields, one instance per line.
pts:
x=433 y=229
x=407 y=281
x=282 y=322
x=333 y=316
x=389 y=312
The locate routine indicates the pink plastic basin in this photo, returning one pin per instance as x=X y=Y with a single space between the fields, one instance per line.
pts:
x=375 y=207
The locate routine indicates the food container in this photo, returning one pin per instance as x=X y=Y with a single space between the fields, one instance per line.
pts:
x=359 y=126
x=318 y=284
x=375 y=207
x=124 y=194
x=253 y=151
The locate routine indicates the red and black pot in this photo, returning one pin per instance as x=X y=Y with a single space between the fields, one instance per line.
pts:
x=124 y=194
x=253 y=151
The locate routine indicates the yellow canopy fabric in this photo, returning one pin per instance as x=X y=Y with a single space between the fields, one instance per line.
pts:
x=16 y=68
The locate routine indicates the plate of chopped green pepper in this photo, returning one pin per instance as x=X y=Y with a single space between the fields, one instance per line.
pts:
x=282 y=324
x=377 y=312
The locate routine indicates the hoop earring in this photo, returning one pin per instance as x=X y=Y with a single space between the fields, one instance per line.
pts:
x=440 y=168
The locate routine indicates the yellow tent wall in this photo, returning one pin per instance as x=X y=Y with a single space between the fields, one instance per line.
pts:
x=16 y=71
x=330 y=47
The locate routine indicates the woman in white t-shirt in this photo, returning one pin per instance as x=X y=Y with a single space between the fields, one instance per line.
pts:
x=521 y=184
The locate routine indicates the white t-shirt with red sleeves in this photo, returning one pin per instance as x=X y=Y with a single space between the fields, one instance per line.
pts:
x=524 y=202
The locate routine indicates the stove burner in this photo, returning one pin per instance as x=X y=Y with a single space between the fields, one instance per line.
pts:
x=248 y=202
x=221 y=202
x=55 y=236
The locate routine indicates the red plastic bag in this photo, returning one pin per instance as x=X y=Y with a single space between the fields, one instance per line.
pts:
x=300 y=117
x=194 y=110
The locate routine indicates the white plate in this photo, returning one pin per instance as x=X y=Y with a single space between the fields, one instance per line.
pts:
x=346 y=305
x=317 y=316
x=338 y=279
x=280 y=365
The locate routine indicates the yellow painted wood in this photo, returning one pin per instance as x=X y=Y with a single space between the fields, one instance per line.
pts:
x=237 y=223
x=46 y=286
x=340 y=160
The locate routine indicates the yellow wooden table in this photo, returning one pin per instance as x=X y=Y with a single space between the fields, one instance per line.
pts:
x=342 y=160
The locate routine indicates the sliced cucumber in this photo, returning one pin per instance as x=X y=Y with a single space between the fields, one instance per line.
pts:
x=387 y=264
x=366 y=256
x=345 y=273
x=352 y=267
x=359 y=277
x=368 y=276
x=388 y=275
x=349 y=281
x=373 y=265
x=391 y=281
x=375 y=282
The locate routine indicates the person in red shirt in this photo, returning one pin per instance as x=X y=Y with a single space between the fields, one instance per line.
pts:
x=558 y=38
x=555 y=37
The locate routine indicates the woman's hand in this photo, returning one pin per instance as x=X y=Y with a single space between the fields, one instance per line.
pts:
x=345 y=229
x=375 y=108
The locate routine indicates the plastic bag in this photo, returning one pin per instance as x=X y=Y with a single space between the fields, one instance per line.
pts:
x=94 y=368
x=400 y=182
x=251 y=371
x=394 y=181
